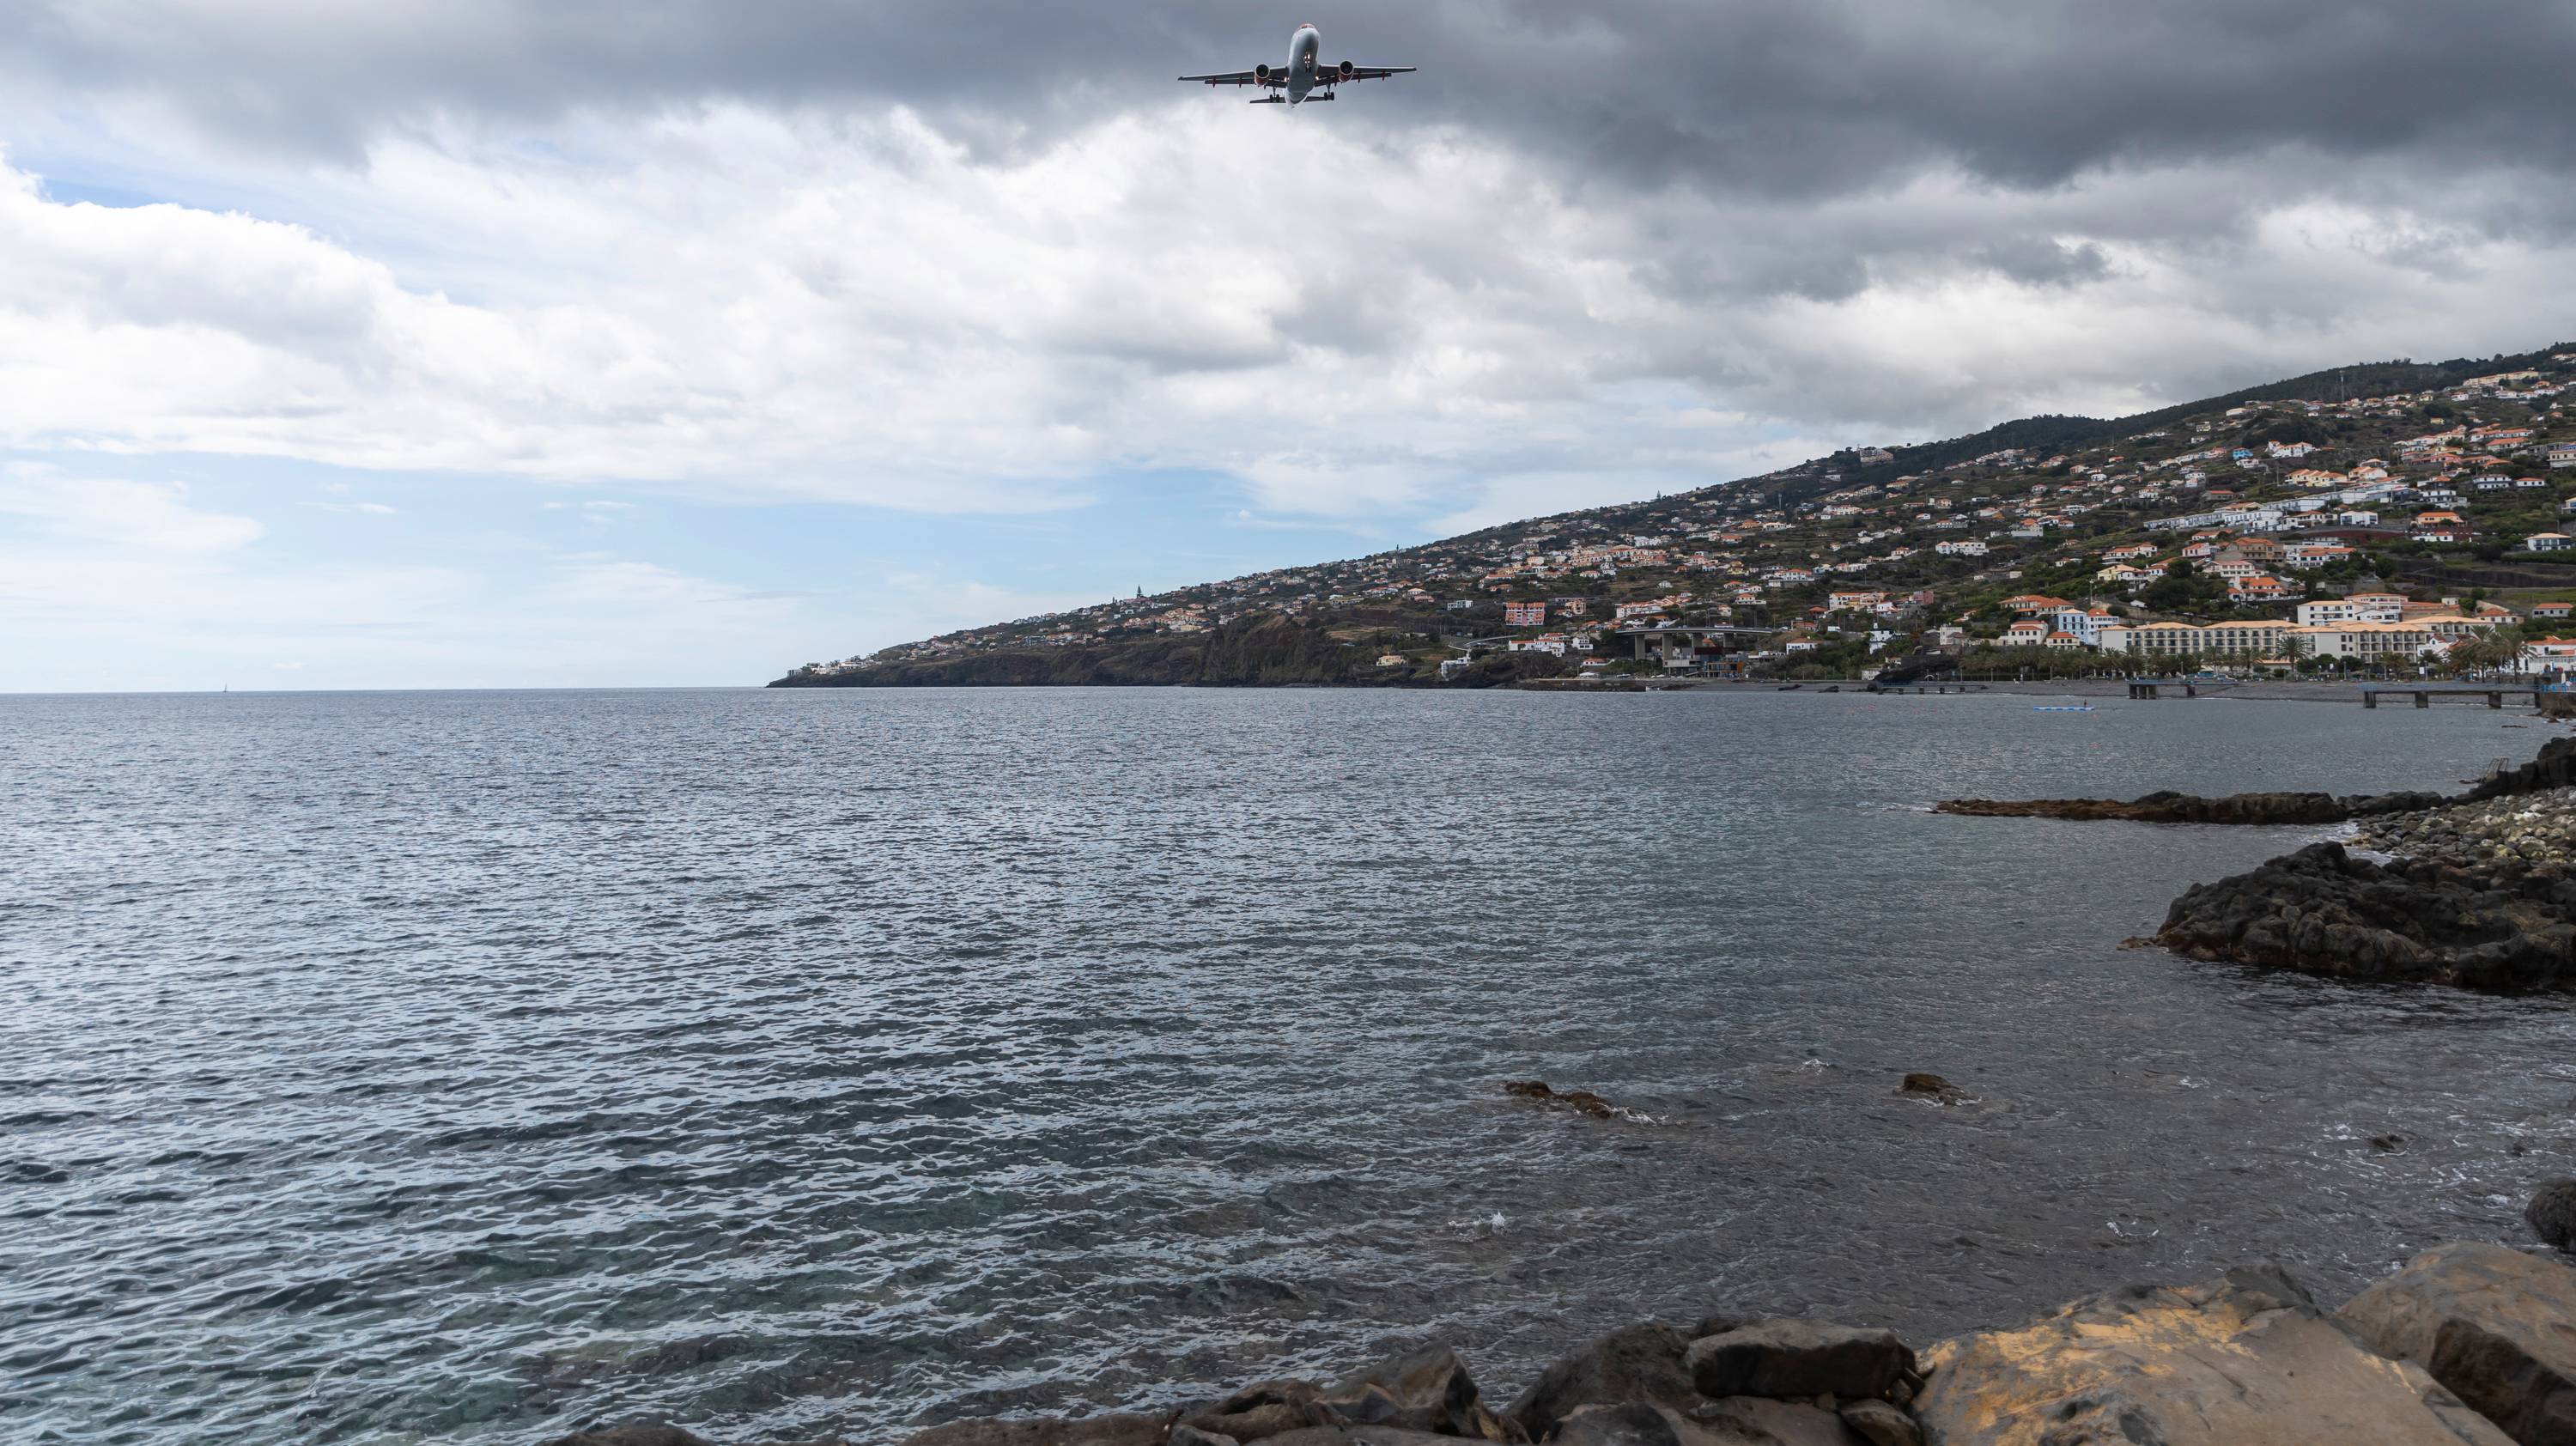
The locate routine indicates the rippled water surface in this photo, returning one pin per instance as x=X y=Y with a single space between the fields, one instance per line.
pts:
x=450 y=1066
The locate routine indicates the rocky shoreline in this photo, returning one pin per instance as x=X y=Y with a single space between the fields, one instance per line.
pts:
x=2468 y=1345
x=2477 y=891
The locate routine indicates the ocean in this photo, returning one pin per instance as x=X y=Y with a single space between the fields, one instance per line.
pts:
x=453 y=1066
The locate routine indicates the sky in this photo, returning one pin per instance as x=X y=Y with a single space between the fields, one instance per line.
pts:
x=562 y=343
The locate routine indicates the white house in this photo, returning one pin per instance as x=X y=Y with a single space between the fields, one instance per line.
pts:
x=2336 y=611
x=2083 y=624
x=2550 y=655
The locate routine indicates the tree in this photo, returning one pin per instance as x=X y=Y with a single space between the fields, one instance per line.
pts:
x=2496 y=648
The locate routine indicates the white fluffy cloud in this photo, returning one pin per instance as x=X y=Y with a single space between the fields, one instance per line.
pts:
x=746 y=302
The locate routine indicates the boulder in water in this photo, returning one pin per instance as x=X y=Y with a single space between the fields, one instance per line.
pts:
x=2552 y=1212
x=1580 y=1101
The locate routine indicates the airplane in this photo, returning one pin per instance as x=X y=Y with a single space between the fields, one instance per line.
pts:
x=1304 y=78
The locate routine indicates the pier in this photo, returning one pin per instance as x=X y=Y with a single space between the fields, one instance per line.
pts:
x=2423 y=693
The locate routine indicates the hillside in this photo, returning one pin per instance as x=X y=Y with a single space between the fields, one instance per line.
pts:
x=1854 y=554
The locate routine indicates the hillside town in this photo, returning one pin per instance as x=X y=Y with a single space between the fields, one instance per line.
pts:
x=2418 y=519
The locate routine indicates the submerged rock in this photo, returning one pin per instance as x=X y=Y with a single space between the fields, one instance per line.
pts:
x=2242 y=1360
x=1931 y=1087
x=1581 y=1101
x=2552 y=1212
x=2495 y=1326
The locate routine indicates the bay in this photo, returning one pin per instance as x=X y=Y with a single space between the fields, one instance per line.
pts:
x=391 y=1067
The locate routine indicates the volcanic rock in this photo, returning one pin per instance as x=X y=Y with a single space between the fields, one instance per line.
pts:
x=1625 y=1423
x=2496 y=1326
x=1582 y=1101
x=1796 y=1358
x=2552 y=1212
x=1643 y=1363
x=1082 y=1431
x=1424 y=1390
x=1881 y=1424
x=1265 y=1409
x=634 y=1433
x=1361 y=1436
x=2241 y=1360
x=2165 y=806
x=2324 y=912
x=1931 y=1087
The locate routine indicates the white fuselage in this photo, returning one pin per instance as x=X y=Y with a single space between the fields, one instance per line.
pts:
x=1304 y=70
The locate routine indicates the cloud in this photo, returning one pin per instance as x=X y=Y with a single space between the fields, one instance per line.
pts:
x=144 y=517
x=912 y=257
x=754 y=305
x=1808 y=100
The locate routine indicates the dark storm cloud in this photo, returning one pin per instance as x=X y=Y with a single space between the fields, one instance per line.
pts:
x=1786 y=100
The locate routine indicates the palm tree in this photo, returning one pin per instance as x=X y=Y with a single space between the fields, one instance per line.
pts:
x=2495 y=648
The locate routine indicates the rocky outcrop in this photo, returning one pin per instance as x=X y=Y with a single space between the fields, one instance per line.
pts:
x=2322 y=911
x=2256 y=809
x=2245 y=1359
x=2552 y=1212
x=2554 y=768
x=2495 y=1326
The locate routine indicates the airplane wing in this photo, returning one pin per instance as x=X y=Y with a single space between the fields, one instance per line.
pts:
x=1374 y=72
x=1238 y=77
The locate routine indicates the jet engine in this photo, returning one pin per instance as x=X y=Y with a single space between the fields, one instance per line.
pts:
x=1261 y=72
x=1346 y=68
